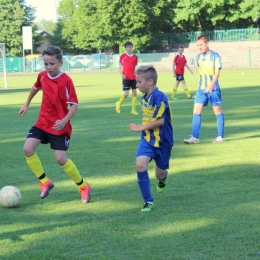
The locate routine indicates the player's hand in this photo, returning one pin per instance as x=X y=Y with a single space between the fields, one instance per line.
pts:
x=123 y=76
x=135 y=128
x=23 y=110
x=208 y=89
x=59 y=125
x=174 y=75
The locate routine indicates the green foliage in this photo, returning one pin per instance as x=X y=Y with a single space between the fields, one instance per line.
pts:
x=14 y=15
x=210 y=207
x=46 y=25
x=107 y=24
x=214 y=14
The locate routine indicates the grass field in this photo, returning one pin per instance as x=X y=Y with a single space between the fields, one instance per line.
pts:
x=209 y=210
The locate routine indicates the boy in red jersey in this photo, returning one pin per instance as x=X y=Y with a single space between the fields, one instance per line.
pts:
x=127 y=64
x=53 y=124
x=179 y=63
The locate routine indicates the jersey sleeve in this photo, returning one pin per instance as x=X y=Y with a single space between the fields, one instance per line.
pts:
x=38 y=85
x=71 y=93
x=121 y=59
x=175 y=59
x=161 y=105
x=217 y=62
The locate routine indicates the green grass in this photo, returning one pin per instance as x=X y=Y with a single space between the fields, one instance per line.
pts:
x=209 y=210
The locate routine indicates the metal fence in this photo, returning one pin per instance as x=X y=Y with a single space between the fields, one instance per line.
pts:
x=163 y=61
x=217 y=35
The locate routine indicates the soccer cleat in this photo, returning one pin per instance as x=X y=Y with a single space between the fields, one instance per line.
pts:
x=118 y=108
x=147 y=207
x=133 y=112
x=45 y=188
x=219 y=139
x=161 y=186
x=191 y=140
x=85 y=193
x=191 y=97
x=173 y=97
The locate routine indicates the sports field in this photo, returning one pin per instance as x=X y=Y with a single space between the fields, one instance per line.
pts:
x=210 y=208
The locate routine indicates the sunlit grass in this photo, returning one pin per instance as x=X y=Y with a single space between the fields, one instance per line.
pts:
x=210 y=208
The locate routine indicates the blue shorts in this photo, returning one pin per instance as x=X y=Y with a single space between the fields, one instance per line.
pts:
x=160 y=155
x=203 y=98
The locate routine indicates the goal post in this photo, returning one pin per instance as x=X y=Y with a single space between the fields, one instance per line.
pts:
x=3 y=62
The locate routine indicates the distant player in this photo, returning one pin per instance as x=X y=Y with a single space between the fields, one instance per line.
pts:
x=179 y=64
x=127 y=64
x=53 y=124
x=157 y=135
x=258 y=24
x=209 y=63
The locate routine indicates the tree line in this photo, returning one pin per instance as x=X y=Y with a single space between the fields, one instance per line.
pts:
x=93 y=25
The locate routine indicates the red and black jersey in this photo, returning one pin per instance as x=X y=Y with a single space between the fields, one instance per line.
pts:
x=58 y=93
x=180 y=62
x=128 y=63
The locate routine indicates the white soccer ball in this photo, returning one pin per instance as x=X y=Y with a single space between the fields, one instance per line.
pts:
x=10 y=197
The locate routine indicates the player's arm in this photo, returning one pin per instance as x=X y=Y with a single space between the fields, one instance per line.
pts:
x=138 y=128
x=187 y=66
x=25 y=107
x=174 y=69
x=120 y=70
x=213 y=81
x=59 y=124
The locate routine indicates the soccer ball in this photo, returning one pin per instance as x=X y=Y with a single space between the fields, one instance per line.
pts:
x=10 y=197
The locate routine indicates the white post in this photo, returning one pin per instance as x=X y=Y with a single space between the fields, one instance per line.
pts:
x=4 y=63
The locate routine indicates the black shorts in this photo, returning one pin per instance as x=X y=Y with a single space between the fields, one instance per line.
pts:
x=127 y=84
x=56 y=142
x=179 y=77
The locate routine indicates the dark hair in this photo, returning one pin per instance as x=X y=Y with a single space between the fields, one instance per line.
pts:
x=258 y=22
x=202 y=37
x=53 y=51
x=180 y=47
x=128 y=43
x=148 y=71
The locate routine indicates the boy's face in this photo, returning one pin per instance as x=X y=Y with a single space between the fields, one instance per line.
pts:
x=203 y=45
x=52 y=65
x=129 y=48
x=145 y=86
x=180 y=50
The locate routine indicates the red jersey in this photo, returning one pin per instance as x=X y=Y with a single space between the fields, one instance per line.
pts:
x=128 y=63
x=58 y=92
x=180 y=62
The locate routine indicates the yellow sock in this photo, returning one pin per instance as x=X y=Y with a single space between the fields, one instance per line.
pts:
x=186 y=91
x=35 y=165
x=174 y=91
x=72 y=171
x=121 y=100
x=134 y=98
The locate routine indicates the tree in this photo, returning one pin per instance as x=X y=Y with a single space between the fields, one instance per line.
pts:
x=103 y=24
x=194 y=15
x=14 y=15
x=46 y=25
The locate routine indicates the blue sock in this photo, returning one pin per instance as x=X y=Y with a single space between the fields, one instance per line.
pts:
x=220 y=124
x=166 y=175
x=144 y=185
x=196 y=123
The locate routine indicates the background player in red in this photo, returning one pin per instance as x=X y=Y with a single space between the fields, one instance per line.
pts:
x=179 y=64
x=127 y=64
x=53 y=124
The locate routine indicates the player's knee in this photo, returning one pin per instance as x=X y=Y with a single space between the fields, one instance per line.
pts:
x=28 y=151
x=61 y=160
x=141 y=166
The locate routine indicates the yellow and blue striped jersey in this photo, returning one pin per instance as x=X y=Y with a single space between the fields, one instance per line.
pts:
x=207 y=64
x=156 y=106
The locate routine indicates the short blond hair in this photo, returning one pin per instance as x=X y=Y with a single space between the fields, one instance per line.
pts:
x=148 y=72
